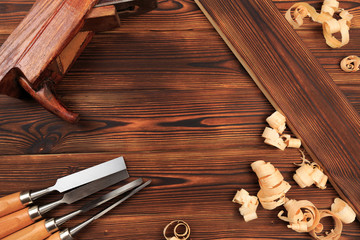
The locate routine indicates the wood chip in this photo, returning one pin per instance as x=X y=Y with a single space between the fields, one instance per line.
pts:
x=309 y=173
x=277 y=121
x=249 y=204
x=179 y=228
x=329 y=23
x=350 y=64
x=334 y=234
x=272 y=185
x=293 y=143
x=302 y=215
x=343 y=211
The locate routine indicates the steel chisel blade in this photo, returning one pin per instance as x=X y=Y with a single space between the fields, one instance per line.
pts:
x=94 y=187
x=88 y=175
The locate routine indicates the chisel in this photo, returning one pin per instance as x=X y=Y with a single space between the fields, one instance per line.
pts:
x=67 y=234
x=17 y=201
x=22 y=218
x=45 y=228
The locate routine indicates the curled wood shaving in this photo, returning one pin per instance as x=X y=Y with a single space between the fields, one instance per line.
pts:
x=272 y=185
x=272 y=136
x=277 y=121
x=350 y=63
x=293 y=143
x=329 y=23
x=249 y=204
x=302 y=215
x=176 y=225
x=334 y=234
x=343 y=211
x=309 y=173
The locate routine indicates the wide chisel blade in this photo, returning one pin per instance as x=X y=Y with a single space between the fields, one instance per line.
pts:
x=83 y=177
x=88 y=175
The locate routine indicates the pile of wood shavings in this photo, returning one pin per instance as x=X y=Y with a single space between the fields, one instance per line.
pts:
x=302 y=216
x=248 y=203
x=309 y=173
x=274 y=134
x=326 y=18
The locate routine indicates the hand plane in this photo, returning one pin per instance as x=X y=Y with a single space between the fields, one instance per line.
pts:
x=41 y=50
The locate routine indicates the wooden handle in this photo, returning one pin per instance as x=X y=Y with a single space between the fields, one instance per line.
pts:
x=14 y=222
x=55 y=236
x=36 y=231
x=10 y=204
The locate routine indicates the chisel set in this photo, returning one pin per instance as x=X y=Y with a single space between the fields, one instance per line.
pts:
x=22 y=220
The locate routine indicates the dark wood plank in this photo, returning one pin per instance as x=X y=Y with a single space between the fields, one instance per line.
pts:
x=113 y=78
x=170 y=15
x=196 y=186
x=296 y=85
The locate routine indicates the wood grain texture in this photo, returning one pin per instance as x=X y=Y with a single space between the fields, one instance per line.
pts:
x=14 y=222
x=196 y=186
x=164 y=91
x=12 y=200
x=296 y=85
x=55 y=236
x=43 y=34
x=35 y=38
x=36 y=231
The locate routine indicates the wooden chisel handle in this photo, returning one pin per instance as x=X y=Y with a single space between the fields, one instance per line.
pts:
x=10 y=204
x=36 y=231
x=55 y=236
x=14 y=222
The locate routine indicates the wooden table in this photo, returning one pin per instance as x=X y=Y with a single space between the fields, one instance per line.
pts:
x=165 y=92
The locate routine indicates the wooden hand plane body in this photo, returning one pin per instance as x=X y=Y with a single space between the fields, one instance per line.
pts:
x=46 y=43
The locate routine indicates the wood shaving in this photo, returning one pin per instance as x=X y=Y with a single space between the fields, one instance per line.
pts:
x=326 y=18
x=293 y=143
x=249 y=204
x=272 y=135
x=302 y=215
x=277 y=121
x=175 y=226
x=272 y=185
x=350 y=63
x=343 y=211
x=334 y=234
x=309 y=173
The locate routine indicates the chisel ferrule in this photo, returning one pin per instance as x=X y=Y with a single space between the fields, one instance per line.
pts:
x=65 y=235
x=50 y=225
x=25 y=198
x=34 y=213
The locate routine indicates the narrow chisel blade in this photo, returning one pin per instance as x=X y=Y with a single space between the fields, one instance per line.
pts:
x=97 y=202
x=111 y=195
x=86 y=190
x=94 y=187
x=79 y=227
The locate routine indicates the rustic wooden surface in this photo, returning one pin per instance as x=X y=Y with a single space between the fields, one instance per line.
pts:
x=295 y=83
x=165 y=92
